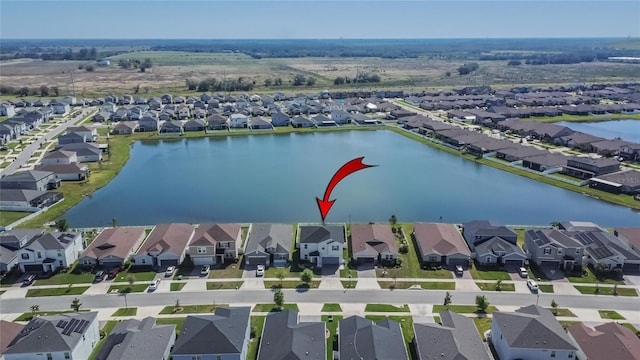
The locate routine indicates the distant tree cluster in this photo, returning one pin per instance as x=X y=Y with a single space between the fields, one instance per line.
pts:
x=361 y=77
x=514 y=63
x=273 y=82
x=136 y=64
x=25 y=91
x=468 y=68
x=300 y=80
x=211 y=84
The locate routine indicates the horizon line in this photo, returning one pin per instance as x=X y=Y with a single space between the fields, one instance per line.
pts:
x=345 y=38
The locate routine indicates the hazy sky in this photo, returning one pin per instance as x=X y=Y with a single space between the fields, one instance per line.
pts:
x=318 y=19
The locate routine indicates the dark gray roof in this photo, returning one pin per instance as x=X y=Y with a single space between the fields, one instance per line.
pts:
x=31 y=175
x=496 y=245
x=222 y=333
x=532 y=327
x=284 y=338
x=137 y=339
x=263 y=236
x=361 y=338
x=317 y=234
x=42 y=335
x=456 y=339
x=486 y=228
x=55 y=240
x=20 y=194
x=601 y=245
x=629 y=178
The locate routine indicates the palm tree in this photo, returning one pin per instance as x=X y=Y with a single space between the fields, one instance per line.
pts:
x=34 y=309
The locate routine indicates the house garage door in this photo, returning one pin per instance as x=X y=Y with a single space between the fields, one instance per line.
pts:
x=512 y=263
x=631 y=267
x=331 y=260
x=32 y=268
x=366 y=260
x=255 y=260
x=168 y=262
x=550 y=264
x=454 y=262
x=202 y=261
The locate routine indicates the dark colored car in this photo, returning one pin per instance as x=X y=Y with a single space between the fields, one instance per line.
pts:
x=100 y=275
x=29 y=279
x=113 y=272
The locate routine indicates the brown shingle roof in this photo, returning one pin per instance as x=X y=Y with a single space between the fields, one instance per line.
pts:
x=607 y=341
x=118 y=242
x=167 y=238
x=211 y=234
x=376 y=238
x=441 y=239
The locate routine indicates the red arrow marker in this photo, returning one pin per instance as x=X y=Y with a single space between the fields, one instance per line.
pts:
x=352 y=166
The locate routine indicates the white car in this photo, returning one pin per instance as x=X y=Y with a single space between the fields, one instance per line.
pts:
x=533 y=286
x=204 y=270
x=523 y=272
x=154 y=285
x=170 y=271
x=260 y=270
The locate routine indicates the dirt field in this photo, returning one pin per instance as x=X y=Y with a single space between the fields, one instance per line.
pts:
x=171 y=69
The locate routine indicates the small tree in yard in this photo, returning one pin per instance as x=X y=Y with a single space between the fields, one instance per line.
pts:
x=394 y=221
x=76 y=304
x=62 y=225
x=34 y=309
x=447 y=299
x=499 y=285
x=280 y=275
x=482 y=303
x=306 y=276
x=554 y=306
x=278 y=298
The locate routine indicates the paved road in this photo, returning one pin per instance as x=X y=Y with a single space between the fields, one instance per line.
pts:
x=321 y=296
x=28 y=151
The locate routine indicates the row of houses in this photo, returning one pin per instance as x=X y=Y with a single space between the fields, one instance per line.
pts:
x=530 y=332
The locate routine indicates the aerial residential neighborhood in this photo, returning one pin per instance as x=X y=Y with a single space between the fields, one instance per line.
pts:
x=306 y=180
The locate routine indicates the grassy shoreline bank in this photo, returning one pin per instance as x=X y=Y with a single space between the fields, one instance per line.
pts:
x=120 y=149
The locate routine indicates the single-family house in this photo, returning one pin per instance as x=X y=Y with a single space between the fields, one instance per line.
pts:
x=340 y=117
x=102 y=116
x=155 y=103
x=195 y=125
x=479 y=231
x=120 y=115
x=455 y=338
x=183 y=112
x=360 y=338
x=60 y=108
x=238 y=121
x=124 y=128
x=67 y=172
x=167 y=99
x=27 y=200
x=148 y=123
x=7 y=110
x=108 y=107
x=59 y=157
x=112 y=247
x=31 y=180
x=85 y=152
x=373 y=243
x=171 y=127
x=69 y=336
x=630 y=235
x=441 y=243
x=9 y=330
x=321 y=120
x=11 y=241
x=258 y=123
x=90 y=133
x=531 y=332
x=498 y=251
x=72 y=138
x=587 y=167
x=280 y=119
x=134 y=339
x=224 y=335
x=284 y=336
x=165 y=245
x=215 y=243
x=544 y=162
x=50 y=251
x=630 y=152
x=268 y=245
x=321 y=245
x=603 y=342
x=301 y=122
x=553 y=248
x=217 y=122
x=602 y=247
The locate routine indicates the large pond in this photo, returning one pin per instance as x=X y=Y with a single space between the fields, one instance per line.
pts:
x=625 y=129
x=275 y=178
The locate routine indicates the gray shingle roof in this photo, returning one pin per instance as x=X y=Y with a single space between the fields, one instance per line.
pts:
x=284 y=338
x=222 y=333
x=361 y=338
x=456 y=339
x=264 y=236
x=317 y=234
x=137 y=339
x=496 y=245
x=532 y=327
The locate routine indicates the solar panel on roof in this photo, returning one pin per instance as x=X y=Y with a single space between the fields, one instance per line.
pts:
x=81 y=326
x=61 y=324
x=67 y=330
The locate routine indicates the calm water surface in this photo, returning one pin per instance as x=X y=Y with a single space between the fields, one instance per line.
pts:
x=625 y=129
x=275 y=178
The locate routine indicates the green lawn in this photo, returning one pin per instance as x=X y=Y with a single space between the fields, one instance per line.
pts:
x=591 y=290
x=29 y=315
x=141 y=275
x=482 y=324
x=462 y=309
x=177 y=321
x=610 y=314
x=331 y=307
x=491 y=286
x=191 y=309
x=547 y=288
x=228 y=285
x=60 y=291
x=9 y=217
x=562 y=312
x=269 y=284
x=589 y=277
x=135 y=288
x=632 y=328
x=177 y=286
x=257 y=324
x=427 y=285
x=106 y=330
x=386 y=308
x=349 y=284
x=520 y=233
x=410 y=264
x=332 y=323
x=132 y=311
x=482 y=273
x=228 y=271
x=67 y=278
x=272 y=307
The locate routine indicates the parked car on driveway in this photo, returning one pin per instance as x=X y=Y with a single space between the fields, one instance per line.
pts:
x=523 y=272
x=100 y=275
x=113 y=272
x=260 y=270
x=170 y=271
x=204 y=271
x=459 y=270
x=153 y=286
x=28 y=280
x=533 y=286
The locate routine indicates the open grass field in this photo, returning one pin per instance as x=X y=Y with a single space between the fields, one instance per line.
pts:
x=172 y=68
